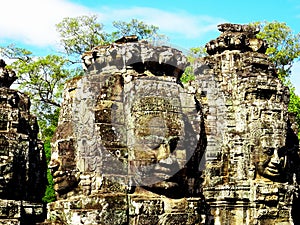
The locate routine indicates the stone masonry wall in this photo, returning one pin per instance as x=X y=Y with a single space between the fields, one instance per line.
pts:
x=22 y=160
x=129 y=141
x=252 y=163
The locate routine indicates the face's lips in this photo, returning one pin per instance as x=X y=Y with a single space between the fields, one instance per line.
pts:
x=156 y=166
x=59 y=173
x=59 y=176
x=162 y=172
x=272 y=170
x=58 y=180
x=162 y=169
x=64 y=180
x=153 y=173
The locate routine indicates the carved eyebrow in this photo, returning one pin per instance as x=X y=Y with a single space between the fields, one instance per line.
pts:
x=261 y=93
x=269 y=151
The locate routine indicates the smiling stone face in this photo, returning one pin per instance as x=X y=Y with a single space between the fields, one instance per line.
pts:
x=63 y=166
x=150 y=140
x=157 y=132
x=272 y=163
x=129 y=141
x=268 y=129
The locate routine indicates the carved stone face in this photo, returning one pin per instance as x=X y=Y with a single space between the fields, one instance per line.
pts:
x=157 y=153
x=269 y=131
x=133 y=139
x=63 y=167
x=272 y=160
x=272 y=163
x=155 y=141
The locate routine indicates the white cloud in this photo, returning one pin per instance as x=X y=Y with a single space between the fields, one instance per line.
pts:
x=180 y=23
x=295 y=77
x=33 y=21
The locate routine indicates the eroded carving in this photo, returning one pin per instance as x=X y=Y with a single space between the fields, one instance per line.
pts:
x=22 y=160
x=253 y=164
x=136 y=140
x=137 y=136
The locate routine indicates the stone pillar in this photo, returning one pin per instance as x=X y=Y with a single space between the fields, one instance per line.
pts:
x=23 y=164
x=129 y=141
x=251 y=172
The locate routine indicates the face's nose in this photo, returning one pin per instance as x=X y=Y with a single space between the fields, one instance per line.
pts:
x=275 y=158
x=53 y=166
x=163 y=152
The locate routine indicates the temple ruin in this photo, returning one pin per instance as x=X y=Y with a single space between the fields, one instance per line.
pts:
x=252 y=177
x=22 y=160
x=134 y=145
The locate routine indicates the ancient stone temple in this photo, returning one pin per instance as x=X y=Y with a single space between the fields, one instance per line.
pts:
x=252 y=157
x=136 y=146
x=129 y=141
x=22 y=161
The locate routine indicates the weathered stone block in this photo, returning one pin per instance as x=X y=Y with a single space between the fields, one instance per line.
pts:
x=23 y=164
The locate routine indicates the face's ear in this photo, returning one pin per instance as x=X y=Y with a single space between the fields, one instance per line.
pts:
x=284 y=162
x=53 y=165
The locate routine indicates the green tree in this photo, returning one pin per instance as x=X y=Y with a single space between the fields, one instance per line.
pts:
x=197 y=52
x=42 y=78
x=284 y=51
x=192 y=55
x=136 y=27
x=283 y=45
x=49 y=193
x=80 y=34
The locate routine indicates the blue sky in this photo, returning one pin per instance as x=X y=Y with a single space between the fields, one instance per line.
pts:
x=187 y=23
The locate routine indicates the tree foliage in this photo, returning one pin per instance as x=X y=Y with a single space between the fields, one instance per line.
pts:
x=283 y=45
x=14 y=53
x=294 y=104
x=136 y=27
x=197 y=52
x=80 y=34
x=284 y=51
x=49 y=193
x=192 y=55
x=42 y=78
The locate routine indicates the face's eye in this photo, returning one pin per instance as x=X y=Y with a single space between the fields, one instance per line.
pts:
x=269 y=151
x=173 y=143
x=152 y=141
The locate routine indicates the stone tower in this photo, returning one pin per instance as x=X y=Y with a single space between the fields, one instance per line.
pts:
x=129 y=141
x=22 y=160
x=136 y=146
x=252 y=156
